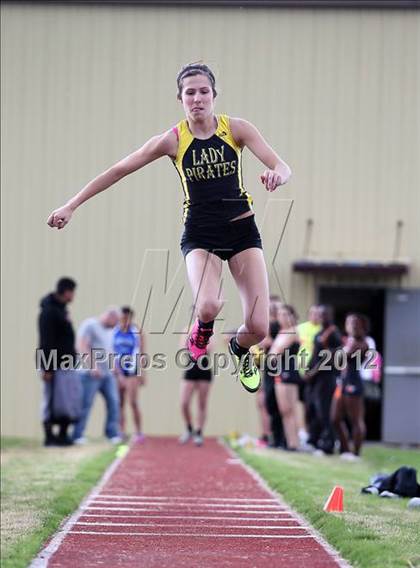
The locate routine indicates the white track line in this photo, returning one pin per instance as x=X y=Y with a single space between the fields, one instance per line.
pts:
x=189 y=505
x=205 y=535
x=260 y=527
x=159 y=510
x=169 y=498
x=41 y=561
x=262 y=483
x=283 y=517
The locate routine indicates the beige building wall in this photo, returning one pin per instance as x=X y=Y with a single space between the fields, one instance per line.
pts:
x=335 y=92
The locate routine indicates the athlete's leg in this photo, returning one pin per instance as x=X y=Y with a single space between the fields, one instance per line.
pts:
x=250 y=274
x=338 y=414
x=325 y=390
x=355 y=412
x=132 y=392
x=204 y=271
x=203 y=393
x=287 y=397
x=109 y=391
x=264 y=416
x=187 y=389
x=122 y=387
x=276 y=422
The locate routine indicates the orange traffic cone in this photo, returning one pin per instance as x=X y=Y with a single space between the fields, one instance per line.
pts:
x=334 y=502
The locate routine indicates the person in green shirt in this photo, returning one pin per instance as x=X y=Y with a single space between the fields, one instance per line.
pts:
x=307 y=331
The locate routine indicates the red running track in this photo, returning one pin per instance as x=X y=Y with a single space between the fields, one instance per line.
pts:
x=169 y=505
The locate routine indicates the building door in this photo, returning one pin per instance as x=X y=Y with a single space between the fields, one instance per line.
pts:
x=369 y=301
x=401 y=404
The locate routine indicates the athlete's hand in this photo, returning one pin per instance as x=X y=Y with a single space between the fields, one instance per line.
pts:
x=60 y=217
x=271 y=179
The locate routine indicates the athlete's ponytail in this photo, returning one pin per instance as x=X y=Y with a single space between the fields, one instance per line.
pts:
x=192 y=69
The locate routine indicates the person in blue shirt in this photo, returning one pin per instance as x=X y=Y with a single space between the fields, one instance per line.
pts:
x=128 y=344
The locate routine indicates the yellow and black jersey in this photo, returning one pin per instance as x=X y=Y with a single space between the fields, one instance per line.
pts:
x=211 y=175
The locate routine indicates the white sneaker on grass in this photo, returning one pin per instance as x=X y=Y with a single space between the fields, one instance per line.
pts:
x=80 y=441
x=318 y=453
x=115 y=440
x=305 y=447
x=348 y=456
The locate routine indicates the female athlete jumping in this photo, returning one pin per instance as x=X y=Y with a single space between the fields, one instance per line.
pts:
x=219 y=221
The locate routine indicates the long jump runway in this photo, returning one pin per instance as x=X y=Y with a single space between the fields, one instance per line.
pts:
x=168 y=505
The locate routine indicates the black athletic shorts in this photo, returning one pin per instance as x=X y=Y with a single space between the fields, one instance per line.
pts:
x=199 y=374
x=224 y=240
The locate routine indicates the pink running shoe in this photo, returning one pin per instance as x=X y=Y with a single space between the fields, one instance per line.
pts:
x=198 y=340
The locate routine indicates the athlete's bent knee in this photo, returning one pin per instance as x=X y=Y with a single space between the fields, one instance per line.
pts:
x=208 y=309
x=258 y=329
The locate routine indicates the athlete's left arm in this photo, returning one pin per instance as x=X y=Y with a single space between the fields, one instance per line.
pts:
x=282 y=342
x=246 y=134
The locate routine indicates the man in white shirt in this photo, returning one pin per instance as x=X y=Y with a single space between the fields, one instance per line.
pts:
x=95 y=337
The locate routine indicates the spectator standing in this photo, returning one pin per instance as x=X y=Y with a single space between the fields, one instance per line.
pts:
x=286 y=375
x=323 y=378
x=197 y=378
x=56 y=334
x=95 y=338
x=263 y=441
x=307 y=331
x=275 y=421
x=348 y=402
x=129 y=343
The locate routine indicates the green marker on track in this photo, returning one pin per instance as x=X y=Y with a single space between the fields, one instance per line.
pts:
x=121 y=451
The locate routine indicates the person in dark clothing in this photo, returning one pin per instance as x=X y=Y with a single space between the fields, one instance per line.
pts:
x=56 y=345
x=348 y=402
x=307 y=332
x=322 y=375
x=285 y=374
x=276 y=424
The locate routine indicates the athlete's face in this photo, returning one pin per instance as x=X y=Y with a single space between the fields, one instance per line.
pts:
x=325 y=316
x=286 y=319
x=126 y=320
x=274 y=310
x=314 y=315
x=354 y=326
x=197 y=97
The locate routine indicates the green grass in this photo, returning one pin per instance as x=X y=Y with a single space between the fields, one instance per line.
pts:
x=372 y=532
x=39 y=488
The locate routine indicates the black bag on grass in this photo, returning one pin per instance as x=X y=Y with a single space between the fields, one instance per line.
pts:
x=402 y=482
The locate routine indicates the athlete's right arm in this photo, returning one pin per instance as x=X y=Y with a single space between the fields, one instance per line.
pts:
x=282 y=342
x=165 y=144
